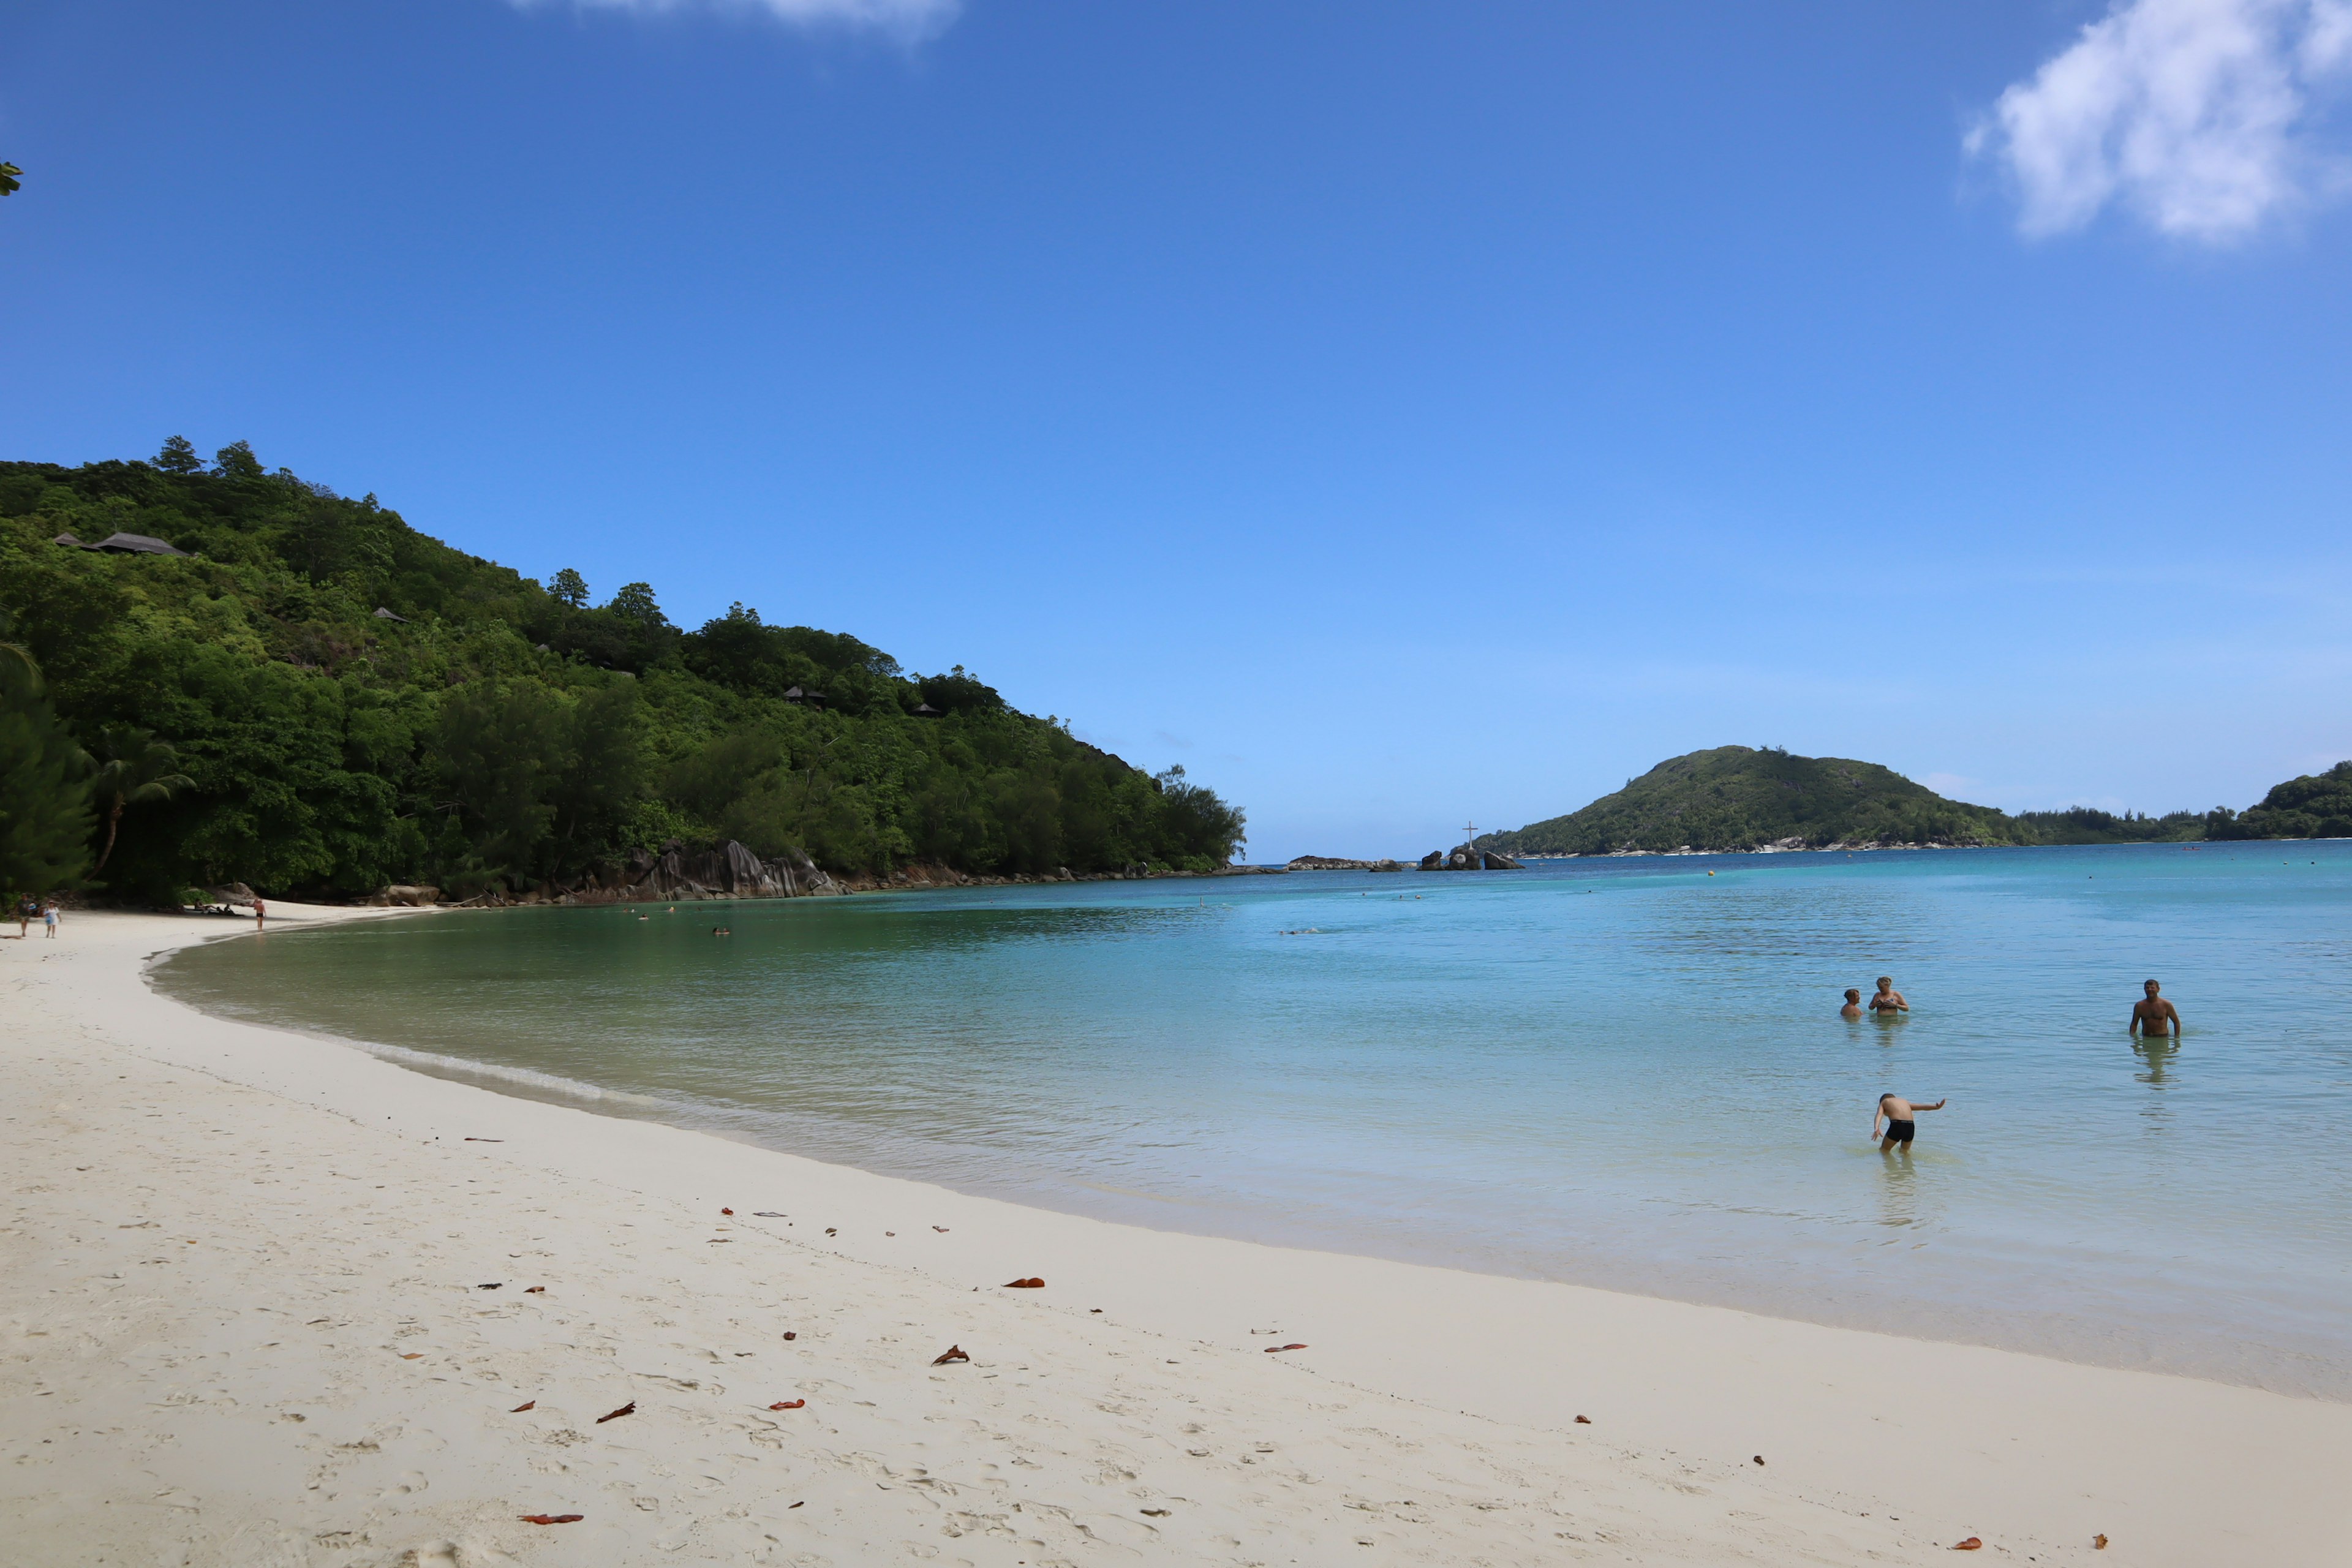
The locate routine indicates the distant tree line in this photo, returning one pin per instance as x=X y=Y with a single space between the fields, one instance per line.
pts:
x=318 y=699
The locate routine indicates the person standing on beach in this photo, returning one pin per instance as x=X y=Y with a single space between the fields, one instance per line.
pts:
x=1853 y=1008
x=50 y=919
x=261 y=912
x=2152 y=1016
x=1888 y=1000
x=1899 y=1115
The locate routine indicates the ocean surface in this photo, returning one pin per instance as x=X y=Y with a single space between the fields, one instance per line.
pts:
x=1629 y=1073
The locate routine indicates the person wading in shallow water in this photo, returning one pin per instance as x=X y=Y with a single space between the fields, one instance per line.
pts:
x=1888 y=1000
x=1898 y=1114
x=1853 y=1008
x=2152 y=1016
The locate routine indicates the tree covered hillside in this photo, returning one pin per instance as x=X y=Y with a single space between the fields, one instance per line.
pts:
x=1734 y=797
x=342 y=702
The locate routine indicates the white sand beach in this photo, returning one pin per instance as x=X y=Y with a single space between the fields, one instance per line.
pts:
x=247 y=1317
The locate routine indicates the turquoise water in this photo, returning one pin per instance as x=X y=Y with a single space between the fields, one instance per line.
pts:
x=1627 y=1073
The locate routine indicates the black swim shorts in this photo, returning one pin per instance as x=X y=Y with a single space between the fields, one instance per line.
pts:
x=1900 y=1131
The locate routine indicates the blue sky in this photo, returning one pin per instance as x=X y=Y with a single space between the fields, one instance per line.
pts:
x=1396 y=413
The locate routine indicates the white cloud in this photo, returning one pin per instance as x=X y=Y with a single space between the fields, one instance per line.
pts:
x=2197 y=115
x=909 y=19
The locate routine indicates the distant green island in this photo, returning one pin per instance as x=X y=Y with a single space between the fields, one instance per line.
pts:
x=215 y=673
x=1742 y=798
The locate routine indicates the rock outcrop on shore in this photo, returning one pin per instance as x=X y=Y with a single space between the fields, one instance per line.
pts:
x=729 y=871
x=1328 y=863
x=400 y=895
x=1468 y=858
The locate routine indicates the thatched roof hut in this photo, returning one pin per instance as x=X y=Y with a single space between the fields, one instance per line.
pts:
x=135 y=544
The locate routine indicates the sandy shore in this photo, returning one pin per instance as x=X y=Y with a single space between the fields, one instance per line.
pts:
x=244 y=1321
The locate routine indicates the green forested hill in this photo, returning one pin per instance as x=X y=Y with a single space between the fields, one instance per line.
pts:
x=2316 y=805
x=1736 y=798
x=353 y=702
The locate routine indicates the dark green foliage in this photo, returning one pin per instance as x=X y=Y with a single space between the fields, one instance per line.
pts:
x=10 y=180
x=2316 y=805
x=2087 y=825
x=501 y=733
x=1736 y=798
x=1733 y=798
x=45 y=814
x=134 y=768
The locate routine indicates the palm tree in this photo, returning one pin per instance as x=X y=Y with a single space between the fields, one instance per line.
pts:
x=133 y=769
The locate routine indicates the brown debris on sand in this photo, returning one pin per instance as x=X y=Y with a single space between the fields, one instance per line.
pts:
x=629 y=1409
x=953 y=1353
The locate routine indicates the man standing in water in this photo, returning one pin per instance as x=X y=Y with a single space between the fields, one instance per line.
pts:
x=1899 y=1114
x=1853 y=1008
x=2152 y=1016
x=1888 y=1000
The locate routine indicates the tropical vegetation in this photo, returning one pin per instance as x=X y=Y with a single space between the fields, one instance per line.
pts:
x=1739 y=797
x=318 y=699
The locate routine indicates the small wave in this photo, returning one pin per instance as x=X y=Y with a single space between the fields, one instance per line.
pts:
x=441 y=1065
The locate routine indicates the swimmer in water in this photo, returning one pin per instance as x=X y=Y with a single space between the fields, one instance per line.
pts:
x=1899 y=1115
x=1888 y=1000
x=1853 y=1008
x=2152 y=1016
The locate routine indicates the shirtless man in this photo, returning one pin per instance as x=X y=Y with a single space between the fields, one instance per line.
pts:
x=1888 y=1000
x=2153 y=1015
x=1899 y=1114
x=1853 y=1008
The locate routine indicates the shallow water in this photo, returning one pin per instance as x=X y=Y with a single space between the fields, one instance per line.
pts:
x=1626 y=1073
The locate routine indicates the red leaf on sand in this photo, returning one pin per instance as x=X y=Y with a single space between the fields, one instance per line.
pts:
x=526 y=1404
x=790 y=1335
x=1024 y=1285
x=552 y=1518
x=413 y=1355
x=1584 y=1421
x=1271 y=1348
x=536 y=1290
x=726 y=1211
x=953 y=1353
x=788 y=1405
x=629 y=1409
x=1970 y=1544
